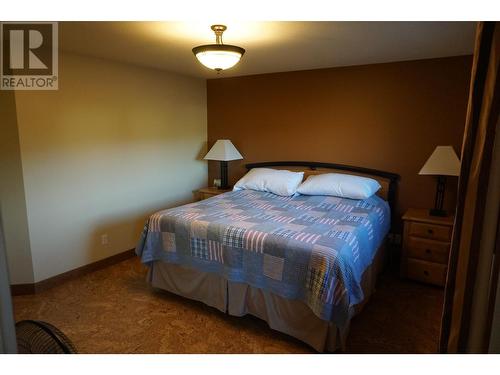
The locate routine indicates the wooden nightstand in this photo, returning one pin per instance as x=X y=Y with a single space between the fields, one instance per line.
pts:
x=210 y=192
x=426 y=246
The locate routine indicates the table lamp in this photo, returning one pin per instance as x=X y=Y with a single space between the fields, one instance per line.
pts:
x=442 y=162
x=223 y=150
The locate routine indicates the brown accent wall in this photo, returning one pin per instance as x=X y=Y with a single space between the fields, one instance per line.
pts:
x=385 y=116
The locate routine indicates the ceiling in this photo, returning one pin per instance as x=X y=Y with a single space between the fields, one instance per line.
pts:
x=270 y=46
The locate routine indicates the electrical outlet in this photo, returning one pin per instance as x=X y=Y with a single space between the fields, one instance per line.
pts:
x=104 y=239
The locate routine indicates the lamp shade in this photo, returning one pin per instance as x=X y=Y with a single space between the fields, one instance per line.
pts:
x=442 y=162
x=223 y=150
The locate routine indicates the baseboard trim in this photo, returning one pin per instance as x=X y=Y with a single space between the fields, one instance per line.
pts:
x=23 y=289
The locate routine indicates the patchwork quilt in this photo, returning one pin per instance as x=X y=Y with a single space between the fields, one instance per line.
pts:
x=309 y=248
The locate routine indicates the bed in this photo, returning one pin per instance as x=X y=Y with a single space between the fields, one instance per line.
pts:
x=304 y=264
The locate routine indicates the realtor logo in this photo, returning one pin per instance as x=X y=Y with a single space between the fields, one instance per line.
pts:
x=29 y=58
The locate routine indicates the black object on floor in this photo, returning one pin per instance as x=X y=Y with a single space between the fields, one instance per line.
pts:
x=37 y=337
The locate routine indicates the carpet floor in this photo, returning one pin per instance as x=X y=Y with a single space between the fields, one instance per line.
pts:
x=113 y=310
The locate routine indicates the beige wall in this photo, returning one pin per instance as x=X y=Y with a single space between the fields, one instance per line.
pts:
x=12 y=198
x=384 y=116
x=114 y=143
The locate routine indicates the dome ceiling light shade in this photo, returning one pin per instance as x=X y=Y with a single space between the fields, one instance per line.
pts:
x=218 y=56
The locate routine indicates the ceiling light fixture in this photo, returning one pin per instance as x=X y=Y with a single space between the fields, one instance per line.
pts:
x=218 y=56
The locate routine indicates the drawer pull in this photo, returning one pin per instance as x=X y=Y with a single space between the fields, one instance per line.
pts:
x=430 y=231
x=426 y=273
x=428 y=251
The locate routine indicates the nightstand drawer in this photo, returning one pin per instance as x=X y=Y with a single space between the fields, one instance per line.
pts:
x=430 y=250
x=432 y=273
x=435 y=232
x=209 y=192
x=206 y=196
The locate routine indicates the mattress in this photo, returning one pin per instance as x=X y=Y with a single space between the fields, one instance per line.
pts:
x=312 y=249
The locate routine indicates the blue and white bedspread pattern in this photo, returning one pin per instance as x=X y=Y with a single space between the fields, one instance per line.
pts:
x=309 y=248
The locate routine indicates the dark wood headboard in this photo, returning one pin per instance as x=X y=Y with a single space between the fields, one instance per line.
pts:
x=316 y=167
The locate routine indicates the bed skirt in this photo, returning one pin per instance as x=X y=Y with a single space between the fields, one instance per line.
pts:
x=292 y=317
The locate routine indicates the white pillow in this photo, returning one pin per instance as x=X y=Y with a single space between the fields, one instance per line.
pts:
x=276 y=181
x=339 y=185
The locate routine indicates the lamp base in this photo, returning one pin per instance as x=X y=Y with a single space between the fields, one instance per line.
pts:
x=438 y=203
x=223 y=176
x=437 y=212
